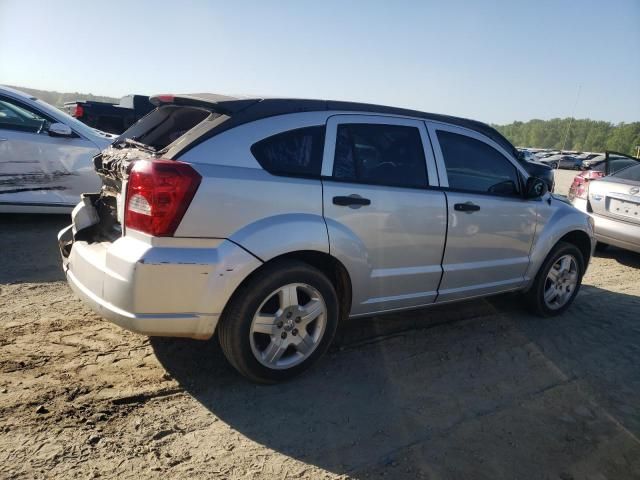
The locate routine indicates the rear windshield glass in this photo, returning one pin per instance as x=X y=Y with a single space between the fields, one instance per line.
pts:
x=166 y=124
x=629 y=173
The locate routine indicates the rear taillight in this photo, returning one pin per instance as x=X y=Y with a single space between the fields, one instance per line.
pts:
x=165 y=98
x=158 y=195
x=580 y=187
x=78 y=112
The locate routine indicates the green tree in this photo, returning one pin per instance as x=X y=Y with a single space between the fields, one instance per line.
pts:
x=581 y=134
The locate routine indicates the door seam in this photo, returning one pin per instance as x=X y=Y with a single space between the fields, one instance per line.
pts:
x=444 y=248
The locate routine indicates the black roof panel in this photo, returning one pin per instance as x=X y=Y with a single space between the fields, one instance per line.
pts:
x=245 y=110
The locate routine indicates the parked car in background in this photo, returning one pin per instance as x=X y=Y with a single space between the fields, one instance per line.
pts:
x=539 y=170
x=528 y=155
x=587 y=156
x=563 y=161
x=271 y=220
x=610 y=163
x=613 y=201
x=108 y=117
x=45 y=156
x=536 y=168
x=541 y=155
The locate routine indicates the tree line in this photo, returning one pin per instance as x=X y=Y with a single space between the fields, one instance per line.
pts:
x=57 y=99
x=574 y=134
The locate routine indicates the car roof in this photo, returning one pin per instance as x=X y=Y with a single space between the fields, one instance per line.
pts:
x=245 y=110
x=15 y=93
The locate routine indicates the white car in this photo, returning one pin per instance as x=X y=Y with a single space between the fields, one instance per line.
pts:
x=45 y=156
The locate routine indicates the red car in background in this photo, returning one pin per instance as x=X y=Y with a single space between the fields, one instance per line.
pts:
x=609 y=164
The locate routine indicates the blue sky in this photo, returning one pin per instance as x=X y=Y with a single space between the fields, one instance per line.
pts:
x=495 y=61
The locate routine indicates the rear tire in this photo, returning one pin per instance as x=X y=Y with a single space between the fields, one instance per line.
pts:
x=267 y=331
x=554 y=291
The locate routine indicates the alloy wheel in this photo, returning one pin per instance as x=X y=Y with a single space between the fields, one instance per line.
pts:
x=561 y=282
x=288 y=326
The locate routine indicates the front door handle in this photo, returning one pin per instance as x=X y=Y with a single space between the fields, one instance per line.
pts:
x=351 y=201
x=466 y=207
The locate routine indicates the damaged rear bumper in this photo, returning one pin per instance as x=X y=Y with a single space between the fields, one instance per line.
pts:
x=156 y=286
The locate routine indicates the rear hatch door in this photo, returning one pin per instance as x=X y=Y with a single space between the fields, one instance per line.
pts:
x=163 y=133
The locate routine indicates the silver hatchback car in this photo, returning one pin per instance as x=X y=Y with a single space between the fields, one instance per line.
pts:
x=271 y=220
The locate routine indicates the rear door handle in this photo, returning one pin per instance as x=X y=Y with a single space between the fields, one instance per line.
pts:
x=351 y=201
x=466 y=207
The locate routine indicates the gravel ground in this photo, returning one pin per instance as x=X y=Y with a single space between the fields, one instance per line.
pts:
x=480 y=390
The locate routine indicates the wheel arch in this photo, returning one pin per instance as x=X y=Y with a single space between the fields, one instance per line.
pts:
x=330 y=266
x=581 y=240
x=544 y=246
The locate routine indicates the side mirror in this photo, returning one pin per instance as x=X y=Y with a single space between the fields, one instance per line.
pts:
x=60 y=130
x=535 y=188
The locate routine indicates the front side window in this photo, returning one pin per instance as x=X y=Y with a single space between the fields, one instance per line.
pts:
x=474 y=166
x=380 y=154
x=295 y=152
x=13 y=116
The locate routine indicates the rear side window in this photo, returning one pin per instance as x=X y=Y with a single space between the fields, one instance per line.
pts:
x=380 y=154
x=293 y=153
x=474 y=166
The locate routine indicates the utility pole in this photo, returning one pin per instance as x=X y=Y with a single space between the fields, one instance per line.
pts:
x=566 y=135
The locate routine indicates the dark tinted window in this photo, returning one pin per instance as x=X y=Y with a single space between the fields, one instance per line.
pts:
x=296 y=152
x=380 y=154
x=617 y=163
x=629 y=173
x=475 y=166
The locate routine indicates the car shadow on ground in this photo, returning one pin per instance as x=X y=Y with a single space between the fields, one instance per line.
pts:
x=441 y=391
x=624 y=257
x=29 y=247
x=482 y=384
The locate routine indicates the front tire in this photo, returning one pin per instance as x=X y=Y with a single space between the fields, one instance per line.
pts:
x=558 y=281
x=280 y=322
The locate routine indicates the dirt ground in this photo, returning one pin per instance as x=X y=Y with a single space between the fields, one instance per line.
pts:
x=482 y=390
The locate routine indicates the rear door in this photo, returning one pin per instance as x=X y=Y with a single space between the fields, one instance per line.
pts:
x=384 y=221
x=490 y=225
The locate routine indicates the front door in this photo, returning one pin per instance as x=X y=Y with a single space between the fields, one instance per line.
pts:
x=36 y=168
x=384 y=222
x=490 y=225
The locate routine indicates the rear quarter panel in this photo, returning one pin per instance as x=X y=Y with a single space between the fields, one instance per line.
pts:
x=266 y=214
